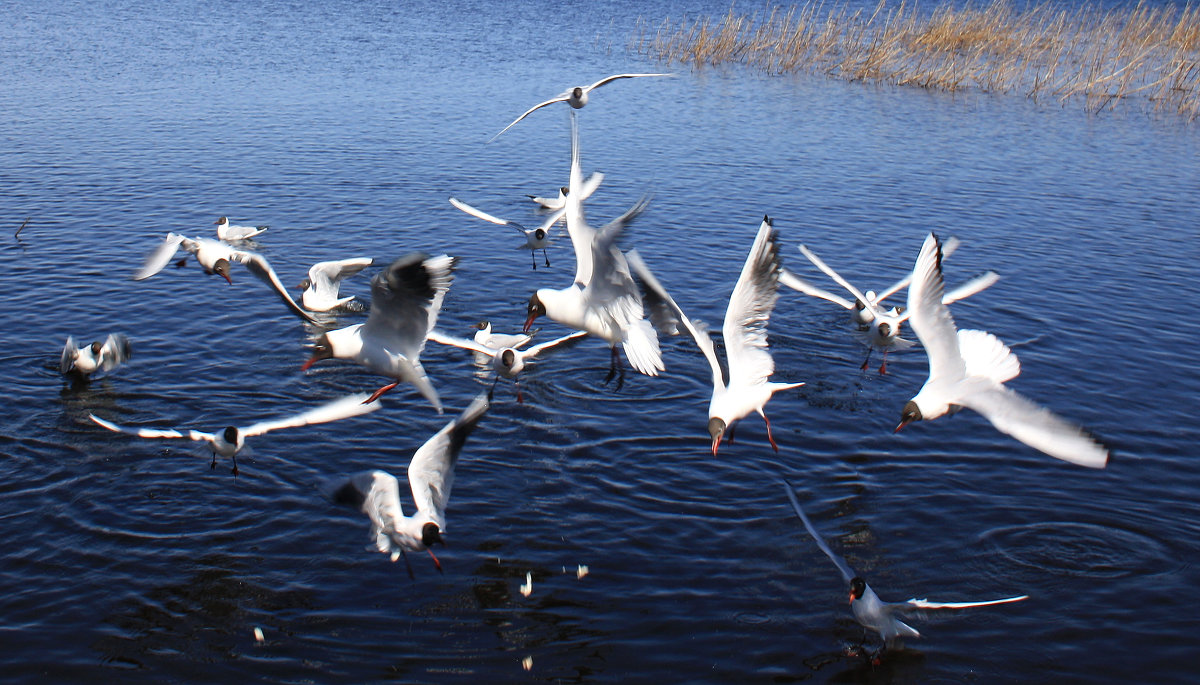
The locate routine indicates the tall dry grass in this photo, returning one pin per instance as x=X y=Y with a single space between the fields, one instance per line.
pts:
x=1101 y=58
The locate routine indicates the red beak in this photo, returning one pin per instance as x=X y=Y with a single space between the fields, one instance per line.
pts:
x=902 y=425
x=305 y=366
x=529 y=323
x=852 y=598
x=715 y=444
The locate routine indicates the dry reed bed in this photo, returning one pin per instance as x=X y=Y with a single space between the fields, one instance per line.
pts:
x=1142 y=54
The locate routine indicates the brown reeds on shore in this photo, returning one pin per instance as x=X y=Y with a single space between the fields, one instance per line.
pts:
x=1101 y=58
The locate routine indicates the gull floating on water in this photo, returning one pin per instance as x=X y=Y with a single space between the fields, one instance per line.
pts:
x=405 y=300
x=576 y=97
x=95 y=357
x=430 y=477
x=969 y=368
x=883 y=325
x=745 y=335
x=229 y=442
x=485 y=336
x=552 y=203
x=229 y=232
x=322 y=287
x=870 y=611
x=603 y=300
x=215 y=257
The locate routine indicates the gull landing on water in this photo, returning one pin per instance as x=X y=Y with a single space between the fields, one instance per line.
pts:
x=320 y=291
x=969 y=368
x=870 y=611
x=745 y=334
x=95 y=357
x=229 y=442
x=229 y=232
x=405 y=300
x=576 y=97
x=430 y=477
x=215 y=257
x=535 y=238
x=507 y=361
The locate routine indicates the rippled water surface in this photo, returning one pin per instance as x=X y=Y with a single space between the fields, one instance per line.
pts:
x=346 y=126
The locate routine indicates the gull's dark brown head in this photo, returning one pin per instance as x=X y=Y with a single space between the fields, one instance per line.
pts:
x=321 y=350
x=230 y=435
x=716 y=430
x=508 y=357
x=96 y=347
x=910 y=413
x=220 y=221
x=430 y=534
x=221 y=268
x=885 y=329
x=535 y=309
x=539 y=234
x=483 y=325
x=857 y=587
x=305 y=284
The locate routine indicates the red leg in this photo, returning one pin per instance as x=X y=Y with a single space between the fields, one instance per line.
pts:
x=770 y=438
x=436 y=563
x=375 y=395
x=883 y=366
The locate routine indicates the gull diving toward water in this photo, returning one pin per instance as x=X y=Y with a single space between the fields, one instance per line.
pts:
x=870 y=611
x=430 y=477
x=883 y=325
x=215 y=257
x=95 y=357
x=229 y=442
x=745 y=335
x=860 y=314
x=405 y=300
x=576 y=97
x=507 y=361
x=229 y=232
x=322 y=287
x=603 y=300
x=969 y=368
x=535 y=238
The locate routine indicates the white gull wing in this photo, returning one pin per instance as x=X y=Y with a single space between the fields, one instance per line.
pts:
x=858 y=295
x=154 y=433
x=750 y=305
x=847 y=572
x=614 y=77
x=1034 y=425
x=979 y=283
x=930 y=319
x=342 y=408
x=163 y=254
x=583 y=237
x=377 y=494
x=948 y=249
x=431 y=471
x=796 y=283
x=325 y=277
x=480 y=214
x=115 y=351
x=538 y=349
x=260 y=267
x=697 y=329
x=67 y=360
x=405 y=300
x=454 y=341
x=918 y=604
x=611 y=289
x=985 y=355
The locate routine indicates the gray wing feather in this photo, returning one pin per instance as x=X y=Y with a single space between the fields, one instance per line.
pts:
x=431 y=471
x=260 y=267
x=847 y=572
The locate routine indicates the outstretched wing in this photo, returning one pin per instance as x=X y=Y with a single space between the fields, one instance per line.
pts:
x=431 y=471
x=260 y=267
x=439 y=337
x=538 y=349
x=377 y=494
x=343 y=408
x=1036 y=426
x=67 y=360
x=796 y=283
x=914 y=604
x=115 y=351
x=161 y=255
x=750 y=306
x=847 y=572
x=558 y=98
x=614 y=77
x=154 y=433
x=825 y=268
x=480 y=214
x=930 y=318
x=405 y=300
x=948 y=249
x=326 y=277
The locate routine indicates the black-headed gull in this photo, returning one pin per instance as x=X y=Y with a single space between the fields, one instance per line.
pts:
x=552 y=203
x=485 y=336
x=229 y=232
x=745 y=334
x=968 y=368
x=405 y=300
x=603 y=300
x=509 y=360
x=215 y=257
x=870 y=611
x=430 y=478
x=230 y=441
x=535 y=238
x=882 y=328
x=860 y=314
x=576 y=97
x=95 y=357
x=321 y=290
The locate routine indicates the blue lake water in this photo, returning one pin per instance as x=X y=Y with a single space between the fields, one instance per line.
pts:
x=346 y=126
